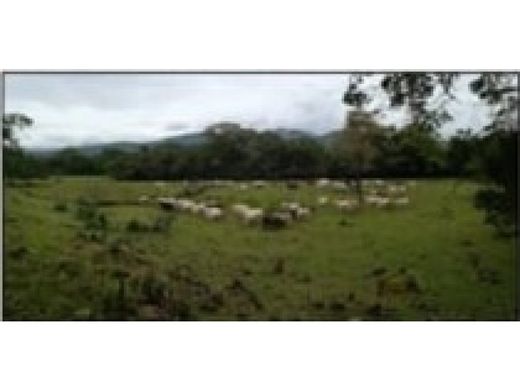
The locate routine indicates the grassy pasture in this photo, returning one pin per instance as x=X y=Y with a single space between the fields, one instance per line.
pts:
x=434 y=259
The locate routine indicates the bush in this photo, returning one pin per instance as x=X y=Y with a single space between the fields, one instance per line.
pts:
x=500 y=210
x=275 y=221
x=154 y=289
x=136 y=226
x=162 y=224
x=85 y=211
x=96 y=222
x=89 y=214
x=118 y=246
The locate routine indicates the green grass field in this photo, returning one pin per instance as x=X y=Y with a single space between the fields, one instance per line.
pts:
x=432 y=260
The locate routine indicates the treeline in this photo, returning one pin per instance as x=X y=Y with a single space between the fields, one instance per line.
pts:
x=232 y=152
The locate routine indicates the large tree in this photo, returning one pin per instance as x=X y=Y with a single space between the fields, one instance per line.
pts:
x=424 y=95
x=359 y=141
x=498 y=151
x=10 y=122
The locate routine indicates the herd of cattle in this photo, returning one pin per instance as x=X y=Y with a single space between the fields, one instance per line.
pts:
x=377 y=192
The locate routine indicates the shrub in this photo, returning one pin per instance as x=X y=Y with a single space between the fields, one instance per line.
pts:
x=88 y=213
x=276 y=220
x=162 y=224
x=18 y=252
x=497 y=205
x=117 y=246
x=98 y=221
x=136 y=226
x=154 y=290
x=85 y=210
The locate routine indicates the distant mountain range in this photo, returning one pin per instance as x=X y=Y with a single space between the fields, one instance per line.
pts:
x=192 y=139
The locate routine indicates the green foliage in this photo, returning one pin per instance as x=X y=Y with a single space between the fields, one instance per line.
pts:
x=162 y=224
x=406 y=89
x=72 y=162
x=10 y=122
x=498 y=168
x=18 y=164
x=414 y=151
x=92 y=218
x=462 y=154
x=492 y=157
x=498 y=206
x=238 y=153
x=136 y=226
x=242 y=153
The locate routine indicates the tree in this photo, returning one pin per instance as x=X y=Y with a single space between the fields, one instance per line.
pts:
x=359 y=143
x=415 y=151
x=500 y=91
x=461 y=154
x=498 y=152
x=9 y=123
x=411 y=90
x=16 y=162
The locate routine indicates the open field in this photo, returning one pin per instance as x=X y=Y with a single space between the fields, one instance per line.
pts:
x=432 y=259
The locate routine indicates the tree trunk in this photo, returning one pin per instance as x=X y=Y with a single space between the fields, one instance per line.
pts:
x=359 y=189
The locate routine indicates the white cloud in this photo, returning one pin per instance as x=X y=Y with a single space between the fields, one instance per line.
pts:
x=87 y=108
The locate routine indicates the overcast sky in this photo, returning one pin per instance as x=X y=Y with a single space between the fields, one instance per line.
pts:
x=70 y=110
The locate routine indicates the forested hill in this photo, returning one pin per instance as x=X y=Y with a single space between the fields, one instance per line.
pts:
x=185 y=140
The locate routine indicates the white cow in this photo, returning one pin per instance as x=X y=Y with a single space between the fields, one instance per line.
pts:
x=346 y=205
x=322 y=183
x=403 y=201
x=212 y=213
x=323 y=200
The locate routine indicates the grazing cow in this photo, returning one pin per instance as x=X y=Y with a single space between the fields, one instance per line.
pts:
x=276 y=220
x=396 y=189
x=259 y=184
x=383 y=202
x=212 y=213
x=323 y=200
x=252 y=216
x=185 y=204
x=292 y=208
x=289 y=205
x=239 y=208
x=339 y=185
x=292 y=185
x=296 y=210
x=302 y=212
x=377 y=201
x=167 y=203
x=347 y=205
x=322 y=183
x=371 y=199
x=247 y=214
x=403 y=201
x=197 y=208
